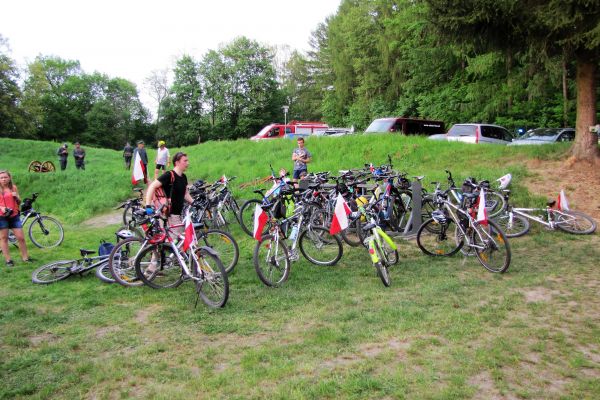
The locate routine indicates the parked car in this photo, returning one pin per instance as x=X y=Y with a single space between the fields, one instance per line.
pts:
x=545 y=136
x=479 y=133
x=438 y=136
x=335 y=132
x=408 y=126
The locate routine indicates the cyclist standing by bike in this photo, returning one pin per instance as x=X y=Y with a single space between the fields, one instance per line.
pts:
x=9 y=218
x=301 y=156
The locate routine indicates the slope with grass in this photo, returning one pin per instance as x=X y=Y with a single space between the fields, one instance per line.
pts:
x=446 y=329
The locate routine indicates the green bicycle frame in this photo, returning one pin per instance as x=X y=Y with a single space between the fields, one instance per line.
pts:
x=379 y=234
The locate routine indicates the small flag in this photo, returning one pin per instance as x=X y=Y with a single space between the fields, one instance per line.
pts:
x=190 y=233
x=482 y=216
x=138 y=170
x=260 y=220
x=562 y=204
x=339 y=222
x=371 y=167
x=223 y=179
x=504 y=181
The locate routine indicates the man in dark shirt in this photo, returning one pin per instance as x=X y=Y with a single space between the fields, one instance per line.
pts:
x=127 y=154
x=144 y=157
x=79 y=155
x=63 y=154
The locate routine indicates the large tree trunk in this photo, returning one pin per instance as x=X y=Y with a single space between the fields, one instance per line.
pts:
x=586 y=142
x=565 y=90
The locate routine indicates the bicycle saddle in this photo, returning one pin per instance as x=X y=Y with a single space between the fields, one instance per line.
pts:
x=551 y=203
x=419 y=178
x=85 y=252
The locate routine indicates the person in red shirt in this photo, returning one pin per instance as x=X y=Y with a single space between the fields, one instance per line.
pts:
x=9 y=218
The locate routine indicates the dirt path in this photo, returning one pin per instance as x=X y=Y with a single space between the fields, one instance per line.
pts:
x=100 y=221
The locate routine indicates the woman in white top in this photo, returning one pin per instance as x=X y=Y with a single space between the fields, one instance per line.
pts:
x=163 y=158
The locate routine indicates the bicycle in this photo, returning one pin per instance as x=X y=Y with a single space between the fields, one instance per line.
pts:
x=272 y=258
x=163 y=264
x=454 y=226
x=515 y=221
x=59 y=270
x=131 y=205
x=45 y=232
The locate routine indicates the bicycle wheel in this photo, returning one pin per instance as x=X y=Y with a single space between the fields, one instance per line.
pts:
x=575 y=222
x=246 y=216
x=231 y=210
x=319 y=246
x=390 y=254
x=127 y=215
x=46 y=232
x=103 y=273
x=158 y=267
x=271 y=261
x=223 y=243
x=213 y=286
x=437 y=239
x=494 y=203
x=353 y=235
x=382 y=267
x=491 y=247
x=121 y=262
x=512 y=224
x=53 y=272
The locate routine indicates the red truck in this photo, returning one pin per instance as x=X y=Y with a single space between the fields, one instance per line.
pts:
x=292 y=129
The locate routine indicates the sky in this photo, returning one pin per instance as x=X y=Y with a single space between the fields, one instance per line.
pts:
x=131 y=38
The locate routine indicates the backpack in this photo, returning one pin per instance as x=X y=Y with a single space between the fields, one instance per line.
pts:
x=160 y=201
x=105 y=248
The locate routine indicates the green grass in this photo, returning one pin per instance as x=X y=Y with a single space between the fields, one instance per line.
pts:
x=446 y=329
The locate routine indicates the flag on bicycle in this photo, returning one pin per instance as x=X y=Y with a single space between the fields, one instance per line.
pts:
x=190 y=234
x=260 y=220
x=138 y=170
x=482 y=215
x=562 y=204
x=339 y=222
x=504 y=181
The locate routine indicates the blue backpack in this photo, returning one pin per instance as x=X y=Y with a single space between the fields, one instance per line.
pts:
x=105 y=248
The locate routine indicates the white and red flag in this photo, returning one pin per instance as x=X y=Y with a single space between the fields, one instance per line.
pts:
x=260 y=220
x=482 y=215
x=190 y=233
x=562 y=204
x=339 y=222
x=138 y=169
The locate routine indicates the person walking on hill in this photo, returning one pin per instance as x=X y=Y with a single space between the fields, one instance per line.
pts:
x=79 y=155
x=127 y=154
x=9 y=218
x=63 y=154
x=163 y=158
x=141 y=150
x=301 y=156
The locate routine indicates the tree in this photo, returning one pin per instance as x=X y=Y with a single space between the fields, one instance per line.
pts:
x=157 y=85
x=11 y=118
x=550 y=27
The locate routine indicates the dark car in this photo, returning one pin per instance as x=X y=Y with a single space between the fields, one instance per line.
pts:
x=408 y=126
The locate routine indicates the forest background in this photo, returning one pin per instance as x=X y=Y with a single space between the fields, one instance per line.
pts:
x=513 y=63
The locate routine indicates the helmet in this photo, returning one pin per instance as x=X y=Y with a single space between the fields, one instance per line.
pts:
x=125 y=234
x=161 y=143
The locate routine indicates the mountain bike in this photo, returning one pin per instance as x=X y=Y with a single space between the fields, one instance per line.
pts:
x=515 y=221
x=131 y=205
x=44 y=231
x=453 y=227
x=162 y=263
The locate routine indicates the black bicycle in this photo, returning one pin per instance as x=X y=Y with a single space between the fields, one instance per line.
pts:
x=44 y=231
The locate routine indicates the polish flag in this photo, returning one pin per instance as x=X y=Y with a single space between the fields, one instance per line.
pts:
x=339 y=222
x=223 y=179
x=504 y=181
x=371 y=167
x=190 y=233
x=562 y=204
x=482 y=216
x=138 y=169
x=260 y=220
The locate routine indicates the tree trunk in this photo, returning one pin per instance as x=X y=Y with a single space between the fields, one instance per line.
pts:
x=565 y=90
x=586 y=142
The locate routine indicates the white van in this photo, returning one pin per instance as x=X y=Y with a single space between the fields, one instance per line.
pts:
x=479 y=133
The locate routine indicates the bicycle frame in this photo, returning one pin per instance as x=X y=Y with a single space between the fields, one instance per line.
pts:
x=378 y=235
x=453 y=211
x=548 y=212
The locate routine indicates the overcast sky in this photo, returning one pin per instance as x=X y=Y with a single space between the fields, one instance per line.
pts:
x=131 y=38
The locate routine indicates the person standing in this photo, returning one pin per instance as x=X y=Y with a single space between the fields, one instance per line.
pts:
x=127 y=154
x=63 y=154
x=301 y=156
x=141 y=150
x=79 y=155
x=163 y=158
x=9 y=218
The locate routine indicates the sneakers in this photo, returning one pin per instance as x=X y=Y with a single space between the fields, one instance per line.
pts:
x=10 y=263
x=29 y=260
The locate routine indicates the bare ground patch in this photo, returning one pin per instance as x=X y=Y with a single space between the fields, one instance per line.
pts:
x=38 y=339
x=100 y=221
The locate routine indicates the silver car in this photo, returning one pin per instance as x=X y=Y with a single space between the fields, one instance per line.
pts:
x=479 y=133
x=545 y=136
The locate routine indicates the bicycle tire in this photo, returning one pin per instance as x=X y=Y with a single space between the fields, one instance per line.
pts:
x=127 y=215
x=266 y=264
x=320 y=247
x=382 y=267
x=53 y=272
x=121 y=262
x=157 y=266
x=574 y=223
x=495 y=203
x=353 y=235
x=233 y=207
x=246 y=216
x=103 y=273
x=46 y=232
x=516 y=227
x=496 y=242
x=435 y=239
x=213 y=288
x=223 y=243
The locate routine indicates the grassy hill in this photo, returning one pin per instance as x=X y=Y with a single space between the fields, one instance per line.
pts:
x=446 y=329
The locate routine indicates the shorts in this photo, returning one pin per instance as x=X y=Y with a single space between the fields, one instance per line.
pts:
x=299 y=172
x=160 y=166
x=11 y=222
